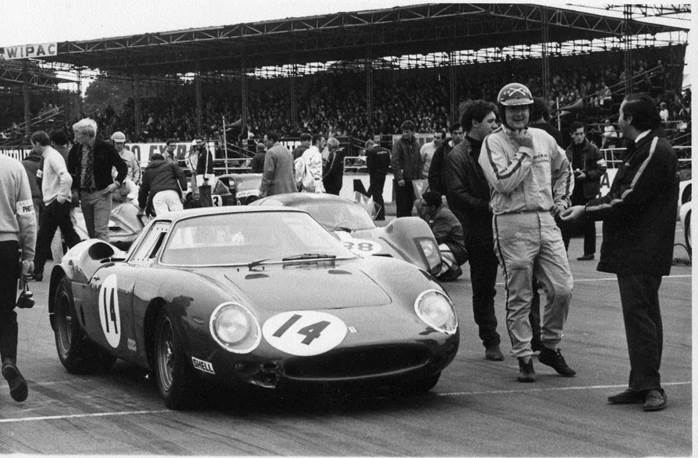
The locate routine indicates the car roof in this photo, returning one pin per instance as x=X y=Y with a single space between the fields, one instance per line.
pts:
x=306 y=197
x=206 y=211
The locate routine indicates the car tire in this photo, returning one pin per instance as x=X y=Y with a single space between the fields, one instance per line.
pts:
x=174 y=375
x=76 y=352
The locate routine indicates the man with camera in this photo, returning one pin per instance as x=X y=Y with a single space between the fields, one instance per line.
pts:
x=17 y=241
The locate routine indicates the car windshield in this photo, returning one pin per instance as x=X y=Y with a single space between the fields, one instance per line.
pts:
x=339 y=215
x=243 y=238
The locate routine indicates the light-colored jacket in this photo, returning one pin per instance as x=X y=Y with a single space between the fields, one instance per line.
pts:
x=277 y=177
x=312 y=158
x=134 y=168
x=525 y=179
x=55 y=181
x=17 y=218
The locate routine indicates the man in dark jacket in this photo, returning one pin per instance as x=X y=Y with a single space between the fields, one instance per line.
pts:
x=334 y=169
x=257 y=162
x=34 y=164
x=161 y=187
x=639 y=220
x=589 y=166
x=468 y=195
x=90 y=163
x=448 y=233
x=407 y=166
x=378 y=163
x=437 y=170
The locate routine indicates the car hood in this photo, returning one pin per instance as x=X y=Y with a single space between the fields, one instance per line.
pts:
x=307 y=285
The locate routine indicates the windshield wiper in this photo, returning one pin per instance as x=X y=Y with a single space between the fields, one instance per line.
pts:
x=298 y=257
x=257 y=263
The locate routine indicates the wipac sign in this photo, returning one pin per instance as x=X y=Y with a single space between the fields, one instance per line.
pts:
x=27 y=51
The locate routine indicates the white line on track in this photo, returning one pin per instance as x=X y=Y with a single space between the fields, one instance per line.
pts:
x=540 y=390
x=590 y=280
x=82 y=415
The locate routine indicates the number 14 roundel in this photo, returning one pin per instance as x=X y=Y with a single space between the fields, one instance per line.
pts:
x=304 y=333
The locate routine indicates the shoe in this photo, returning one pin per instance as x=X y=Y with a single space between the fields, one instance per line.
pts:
x=627 y=397
x=554 y=359
x=654 y=400
x=18 y=386
x=38 y=276
x=586 y=257
x=493 y=353
x=526 y=372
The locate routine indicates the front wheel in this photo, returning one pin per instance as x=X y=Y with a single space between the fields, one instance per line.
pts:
x=77 y=353
x=174 y=376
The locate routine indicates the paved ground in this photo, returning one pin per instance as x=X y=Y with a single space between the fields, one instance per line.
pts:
x=477 y=408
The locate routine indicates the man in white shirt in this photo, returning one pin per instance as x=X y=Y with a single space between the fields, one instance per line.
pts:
x=55 y=188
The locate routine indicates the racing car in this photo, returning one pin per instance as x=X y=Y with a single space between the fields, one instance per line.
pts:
x=245 y=186
x=408 y=238
x=256 y=296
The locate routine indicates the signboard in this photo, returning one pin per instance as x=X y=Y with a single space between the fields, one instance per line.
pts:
x=29 y=51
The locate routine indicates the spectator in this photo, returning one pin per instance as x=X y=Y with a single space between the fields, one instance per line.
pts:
x=588 y=166
x=310 y=177
x=407 y=166
x=437 y=169
x=334 y=170
x=56 y=183
x=129 y=158
x=378 y=163
x=277 y=177
x=257 y=162
x=90 y=163
x=304 y=145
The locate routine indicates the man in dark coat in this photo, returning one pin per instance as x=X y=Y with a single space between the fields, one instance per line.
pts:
x=468 y=195
x=334 y=169
x=639 y=220
x=407 y=166
x=437 y=170
x=589 y=166
x=161 y=187
x=378 y=163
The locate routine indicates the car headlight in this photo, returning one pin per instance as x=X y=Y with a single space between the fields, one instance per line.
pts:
x=436 y=309
x=235 y=328
x=431 y=253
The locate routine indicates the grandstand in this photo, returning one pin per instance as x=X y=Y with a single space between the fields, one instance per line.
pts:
x=351 y=74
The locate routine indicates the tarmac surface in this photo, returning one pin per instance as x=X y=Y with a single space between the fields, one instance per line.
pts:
x=477 y=408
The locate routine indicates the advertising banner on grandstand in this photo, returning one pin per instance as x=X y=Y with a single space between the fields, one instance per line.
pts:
x=27 y=51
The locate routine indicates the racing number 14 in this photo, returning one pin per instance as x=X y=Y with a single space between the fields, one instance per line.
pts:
x=109 y=312
x=311 y=332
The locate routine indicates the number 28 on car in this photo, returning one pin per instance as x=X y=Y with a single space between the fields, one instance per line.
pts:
x=258 y=296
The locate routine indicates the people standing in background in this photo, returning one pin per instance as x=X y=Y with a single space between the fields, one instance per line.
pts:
x=311 y=166
x=304 y=145
x=437 y=169
x=426 y=152
x=639 y=222
x=17 y=242
x=277 y=177
x=468 y=195
x=61 y=143
x=257 y=162
x=56 y=192
x=588 y=166
x=407 y=166
x=377 y=163
x=90 y=163
x=133 y=167
x=170 y=150
x=334 y=169
x=33 y=165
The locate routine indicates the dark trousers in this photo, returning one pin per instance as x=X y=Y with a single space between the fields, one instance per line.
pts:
x=483 y=275
x=639 y=297
x=54 y=215
x=375 y=190
x=588 y=229
x=534 y=316
x=9 y=274
x=404 y=198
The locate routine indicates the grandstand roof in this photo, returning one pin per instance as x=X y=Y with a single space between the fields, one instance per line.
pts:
x=417 y=29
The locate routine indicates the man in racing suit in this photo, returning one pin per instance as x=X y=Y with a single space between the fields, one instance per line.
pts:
x=530 y=180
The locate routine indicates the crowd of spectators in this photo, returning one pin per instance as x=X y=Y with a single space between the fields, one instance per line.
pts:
x=335 y=102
